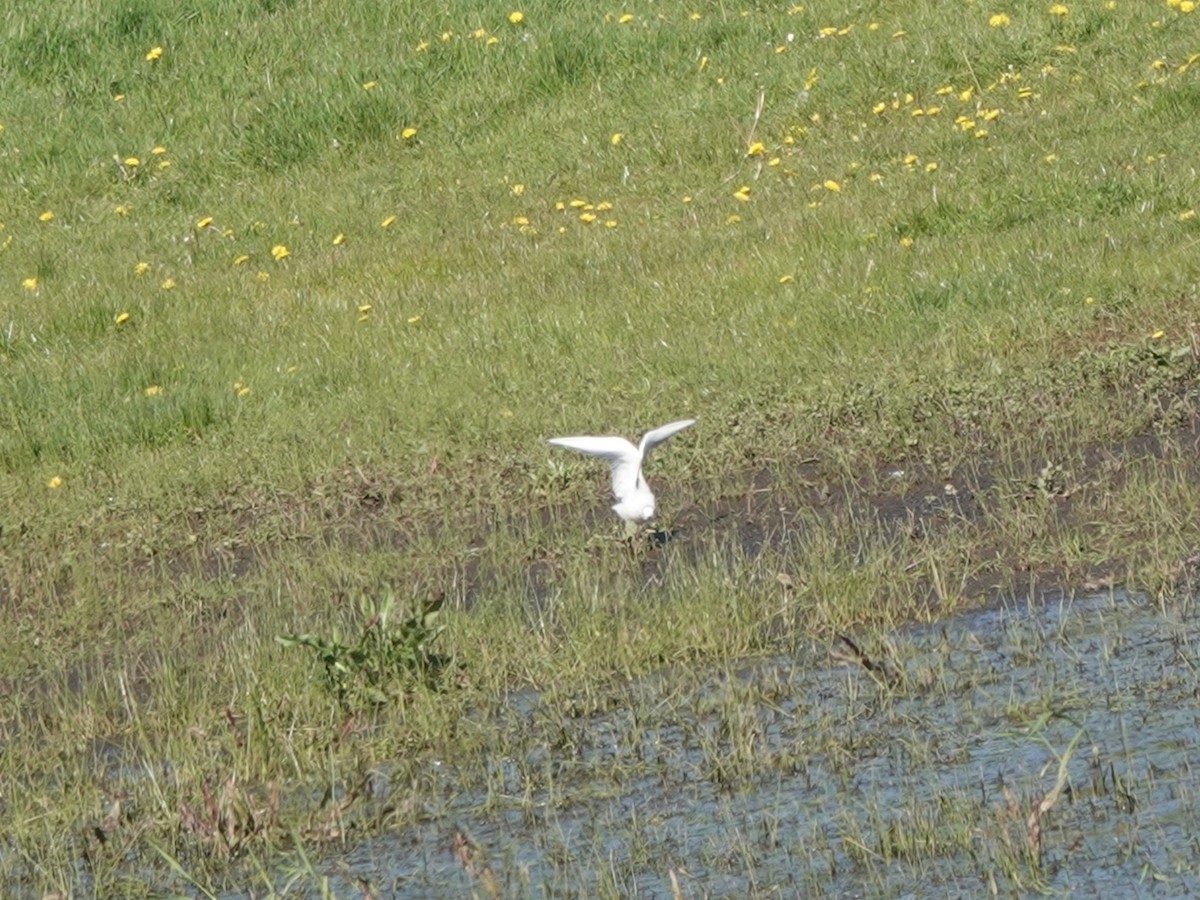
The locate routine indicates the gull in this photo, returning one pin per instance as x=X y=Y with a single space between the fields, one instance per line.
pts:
x=635 y=500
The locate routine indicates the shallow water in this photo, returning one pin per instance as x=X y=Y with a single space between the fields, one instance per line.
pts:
x=803 y=775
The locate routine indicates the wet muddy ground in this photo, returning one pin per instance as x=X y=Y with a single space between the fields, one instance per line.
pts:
x=906 y=764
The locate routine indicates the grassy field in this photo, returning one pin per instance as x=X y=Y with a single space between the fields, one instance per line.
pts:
x=292 y=291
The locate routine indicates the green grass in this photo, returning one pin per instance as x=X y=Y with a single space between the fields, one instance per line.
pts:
x=902 y=304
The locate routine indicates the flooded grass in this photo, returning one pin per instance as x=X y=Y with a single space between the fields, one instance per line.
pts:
x=804 y=774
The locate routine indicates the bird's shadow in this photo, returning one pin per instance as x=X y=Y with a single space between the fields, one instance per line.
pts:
x=660 y=537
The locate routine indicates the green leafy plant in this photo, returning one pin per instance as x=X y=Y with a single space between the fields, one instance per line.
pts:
x=388 y=658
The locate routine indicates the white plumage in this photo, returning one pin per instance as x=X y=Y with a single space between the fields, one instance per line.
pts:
x=635 y=500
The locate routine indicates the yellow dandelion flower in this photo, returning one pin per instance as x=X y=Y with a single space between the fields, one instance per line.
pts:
x=280 y=252
x=55 y=483
x=625 y=19
x=516 y=17
x=742 y=194
x=154 y=53
x=240 y=258
x=931 y=167
x=686 y=198
x=408 y=133
x=30 y=284
x=47 y=216
x=603 y=206
x=387 y=223
x=263 y=276
x=1088 y=301
x=164 y=163
x=122 y=210
x=118 y=98
x=785 y=279
x=422 y=47
x=152 y=391
x=518 y=190
x=578 y=204
x=132 y=161
x=370 y=85
x=158 y=151
x=492 y=41
x=1058 y=9
x=339 y=239
x=365 y=308
x=906 y=242
x=610 y=223
x=1187 y=215
x=875 y=178
x=168 y=284
x=240 y=389
x=1158 y=335
x=616 y=138
x=121 y=318
x=733 y=219
x=587 y=218
x=141 y=268
x=204 y=223
x=413 y=320
x=878 y=108
x=756 y=149
x=999 y=20
x=520 y=220
x=832 y=186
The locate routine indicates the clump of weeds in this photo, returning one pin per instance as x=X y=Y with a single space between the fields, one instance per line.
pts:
x=229 y=817
x=386 y=660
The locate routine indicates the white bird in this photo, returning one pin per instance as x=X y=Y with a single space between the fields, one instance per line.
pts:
x=635 y=500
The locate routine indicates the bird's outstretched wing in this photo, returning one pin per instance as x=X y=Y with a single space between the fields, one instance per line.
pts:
x=624 y=458
x=652 y=439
